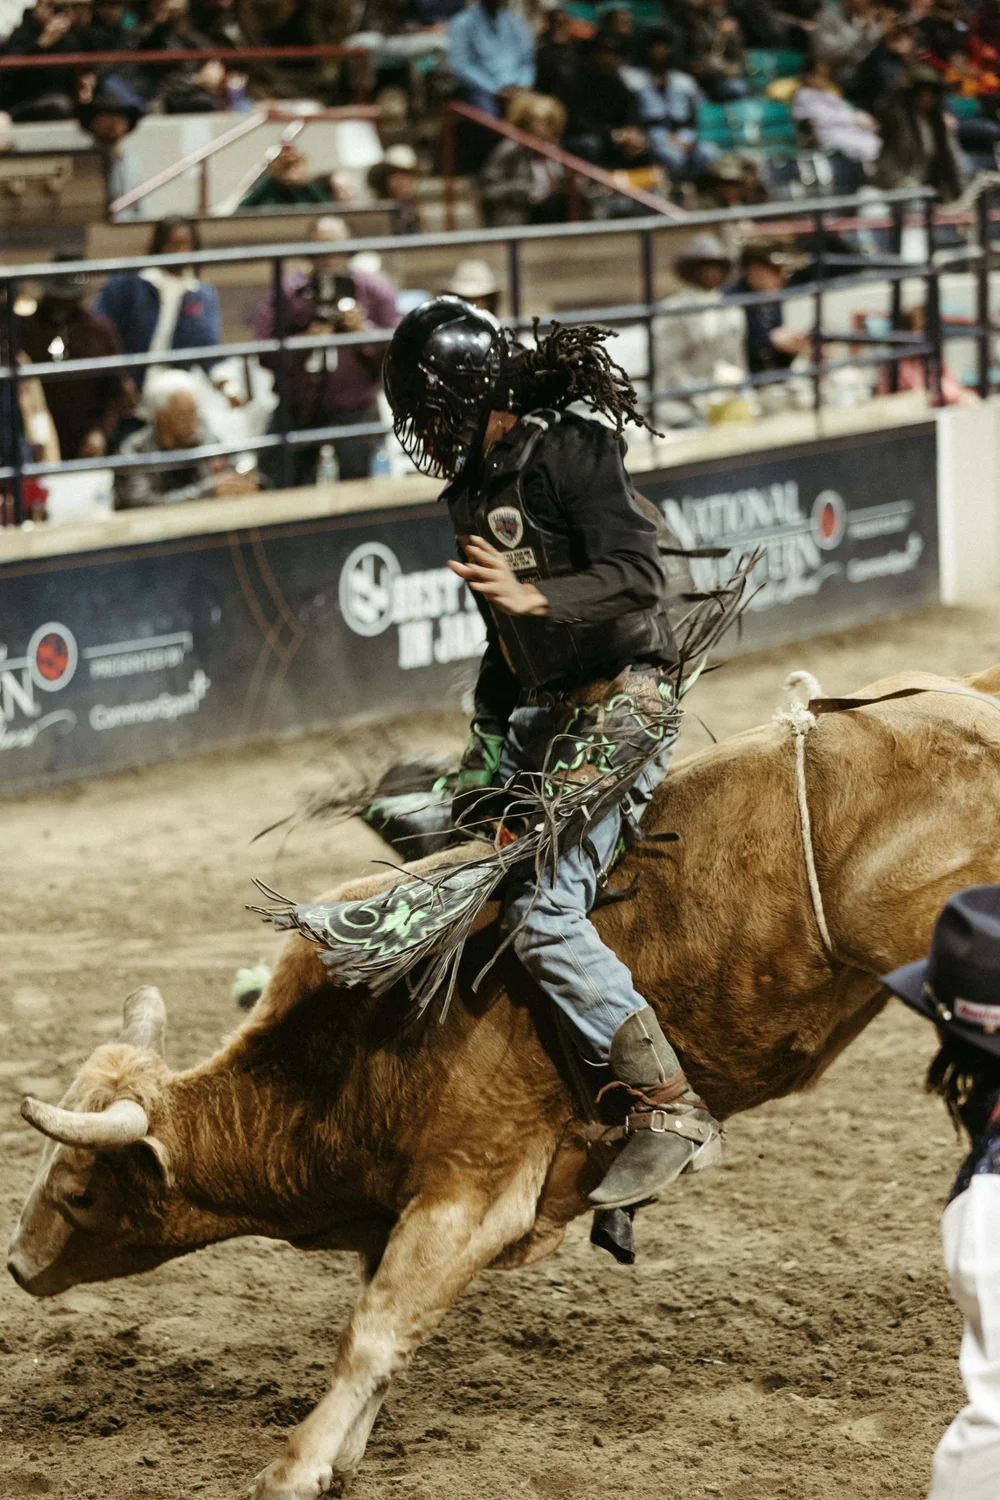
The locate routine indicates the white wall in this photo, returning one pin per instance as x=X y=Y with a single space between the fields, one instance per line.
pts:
x=969 y=502
x=160 y=140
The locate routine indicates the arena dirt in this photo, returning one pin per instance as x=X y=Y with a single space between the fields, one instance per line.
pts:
x=786 y=1331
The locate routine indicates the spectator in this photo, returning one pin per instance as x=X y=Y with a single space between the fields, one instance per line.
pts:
x=603 y=125
x=174 y=422
x=668 y=102
x=848 y=135
x=474 y=281
x=107 y=31
x=491 y=53
x=218 y=24
x=884 y=68
x=558 y=60
x=844 y=36
x=714 y=49
x=416 y=15
x=616 y=25
x=729 y=182
x=912 y=371
x=394 y=180
x=918 y=146
x=288 y=181
x=87 y=409
x=330 y=386
x=181 y=88
x=108 y=118
x=769 y=345
x=762 y=24
x=516 y=185
x=47 y=29
x=162 y=308
x=704 y=344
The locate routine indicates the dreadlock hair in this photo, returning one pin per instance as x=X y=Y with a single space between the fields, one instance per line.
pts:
x=571 y=364
x=965 y=1077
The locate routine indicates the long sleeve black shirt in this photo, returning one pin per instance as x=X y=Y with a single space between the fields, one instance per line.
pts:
x=576 y=484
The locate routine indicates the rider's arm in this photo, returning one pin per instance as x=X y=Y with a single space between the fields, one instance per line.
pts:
x=580 y=476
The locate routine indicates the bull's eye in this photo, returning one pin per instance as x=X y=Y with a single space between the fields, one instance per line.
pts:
x=79 y=1200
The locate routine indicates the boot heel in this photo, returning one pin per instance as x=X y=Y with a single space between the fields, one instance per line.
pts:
x=706 y=1156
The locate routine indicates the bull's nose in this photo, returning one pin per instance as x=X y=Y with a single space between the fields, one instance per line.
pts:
x=12 y=1268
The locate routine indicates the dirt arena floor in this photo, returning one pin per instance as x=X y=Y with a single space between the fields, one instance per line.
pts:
x=786 y=1331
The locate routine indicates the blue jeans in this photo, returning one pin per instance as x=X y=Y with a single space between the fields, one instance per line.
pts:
x=554 y=938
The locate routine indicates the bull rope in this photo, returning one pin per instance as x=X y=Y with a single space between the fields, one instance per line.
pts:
x=800 y=720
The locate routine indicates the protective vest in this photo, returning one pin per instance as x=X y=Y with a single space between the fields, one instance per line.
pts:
x=542 y=652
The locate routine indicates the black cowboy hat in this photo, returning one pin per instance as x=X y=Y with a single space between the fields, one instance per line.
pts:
x=67 y=288
x=957 y=986
x=112 y=98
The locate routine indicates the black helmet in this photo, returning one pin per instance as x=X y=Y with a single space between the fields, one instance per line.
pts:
x=441 y=367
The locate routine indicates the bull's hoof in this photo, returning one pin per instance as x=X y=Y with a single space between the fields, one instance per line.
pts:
x=289 y=1480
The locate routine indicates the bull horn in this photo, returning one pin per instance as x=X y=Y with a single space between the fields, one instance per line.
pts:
x=145 y=1020
x=122 y=1124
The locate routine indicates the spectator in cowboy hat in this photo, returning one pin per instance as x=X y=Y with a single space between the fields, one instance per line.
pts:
x=108 y=117
x=474 y=282
x=769 y=345
x=705 y=342
x=87 y=410
x=958 y=988
x=394 y=179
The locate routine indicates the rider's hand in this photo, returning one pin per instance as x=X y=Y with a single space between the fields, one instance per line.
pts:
x=487 y=573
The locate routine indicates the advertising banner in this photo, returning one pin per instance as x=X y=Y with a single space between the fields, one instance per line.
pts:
x=116 y=659
x=847 y=529
x=148 y=652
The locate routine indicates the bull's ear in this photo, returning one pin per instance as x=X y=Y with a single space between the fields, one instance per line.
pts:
x=156 y=1157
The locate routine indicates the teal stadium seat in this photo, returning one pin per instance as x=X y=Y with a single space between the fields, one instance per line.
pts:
x=761 y=124
x=962 y=108
x=714 y=127
x=764 y=64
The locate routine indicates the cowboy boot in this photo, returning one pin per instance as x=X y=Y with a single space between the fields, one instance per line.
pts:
x=668 y=1130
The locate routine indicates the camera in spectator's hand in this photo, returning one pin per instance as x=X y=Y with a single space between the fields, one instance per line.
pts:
x=332 y=294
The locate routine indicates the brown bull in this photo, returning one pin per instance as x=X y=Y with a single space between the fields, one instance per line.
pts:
x=439 y=1150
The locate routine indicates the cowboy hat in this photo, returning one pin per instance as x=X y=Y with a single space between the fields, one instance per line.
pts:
x=957 y=986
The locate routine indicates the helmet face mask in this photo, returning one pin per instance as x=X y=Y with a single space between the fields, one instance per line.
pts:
x=441 y=369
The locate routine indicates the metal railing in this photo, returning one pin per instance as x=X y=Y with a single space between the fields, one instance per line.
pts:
x=574 y=167
x=84 y=62
x=832 y=270
x=294 y=122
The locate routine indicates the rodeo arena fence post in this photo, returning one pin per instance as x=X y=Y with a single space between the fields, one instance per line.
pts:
x=819 y=219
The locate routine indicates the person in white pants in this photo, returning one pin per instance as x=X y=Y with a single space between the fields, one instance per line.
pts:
x=958 y=988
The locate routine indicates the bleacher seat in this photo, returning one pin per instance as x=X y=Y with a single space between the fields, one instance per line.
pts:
x=961 y=107
x=714 y=127
x=644 y=12
x=756 y=124
x=765 y=64
x=763 y=124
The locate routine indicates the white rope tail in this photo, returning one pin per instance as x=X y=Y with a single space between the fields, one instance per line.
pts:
x=800 y=721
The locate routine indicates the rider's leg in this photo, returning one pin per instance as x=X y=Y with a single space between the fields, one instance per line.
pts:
x=562 y=951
